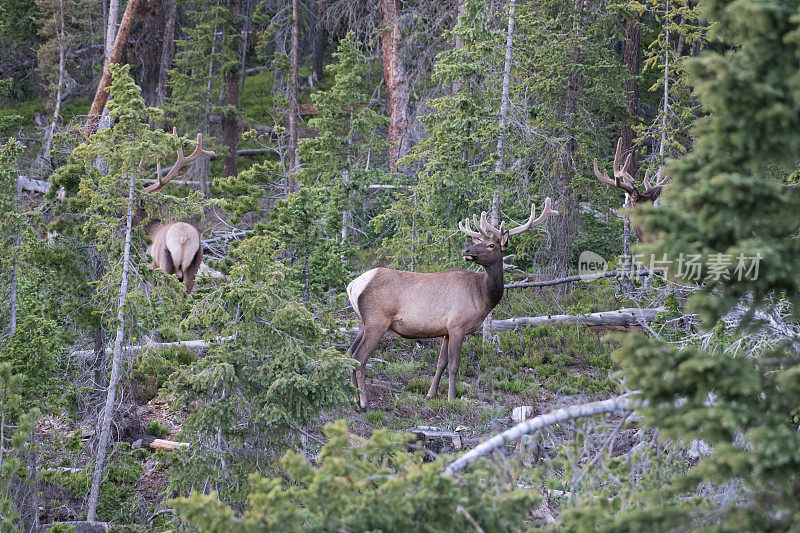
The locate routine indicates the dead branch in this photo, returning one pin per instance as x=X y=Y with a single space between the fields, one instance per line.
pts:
x=619 y=403
x=583 y=277
x=196 y=344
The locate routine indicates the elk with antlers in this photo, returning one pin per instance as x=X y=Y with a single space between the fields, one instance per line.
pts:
x=175 y=247
x=624 y=181
x=449 y=304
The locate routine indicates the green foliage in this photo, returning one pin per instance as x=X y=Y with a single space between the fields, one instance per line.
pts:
x=273 y=375
x=722 y=202
x=150 y=371
x=366 y=486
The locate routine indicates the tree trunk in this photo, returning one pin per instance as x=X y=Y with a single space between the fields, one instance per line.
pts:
x=101 y=96
x=319 y=40
x=501 y=141
x=294 y=162
x=564 y=232
x=48 y=143
x=395 y=80
x=167 y=49
x=111 y=29
x=116 y=364
x=630 y=56
x=230 y=122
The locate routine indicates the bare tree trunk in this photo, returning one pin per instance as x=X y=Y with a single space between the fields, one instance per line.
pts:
x=167 y=49
x=630 y=56
x=501 y=141
x=101 y=96
x=111 y=29
x=319 y=40
x=230 y=122
x=48 y=143
x=662 y=148
x=294 y=161
x=116 y=364
x=395 y=79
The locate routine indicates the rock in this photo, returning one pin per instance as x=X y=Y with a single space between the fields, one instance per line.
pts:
x=699 y=449
x=522 y=413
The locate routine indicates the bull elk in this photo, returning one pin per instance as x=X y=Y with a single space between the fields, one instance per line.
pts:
x=449 y=304
x=176 y=247
x=624 y=181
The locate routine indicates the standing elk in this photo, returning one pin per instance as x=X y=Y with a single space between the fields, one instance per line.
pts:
x=449 y=304
x=624 y=181
x=176 y=247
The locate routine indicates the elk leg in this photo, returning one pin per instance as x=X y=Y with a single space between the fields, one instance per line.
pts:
x=441 y=364
x=369 y=342
x=454 y=356
x=352 y=351
x=190 y=272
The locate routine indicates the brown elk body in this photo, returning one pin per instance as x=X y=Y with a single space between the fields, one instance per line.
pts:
x=449 y=304
x=176 y=247
x=624 y=181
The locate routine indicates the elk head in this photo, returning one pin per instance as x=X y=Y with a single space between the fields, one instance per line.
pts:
x=489 y=242
x=176 y=247
x=625 y=182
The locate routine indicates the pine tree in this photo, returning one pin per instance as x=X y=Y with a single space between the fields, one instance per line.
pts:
x=723 y=205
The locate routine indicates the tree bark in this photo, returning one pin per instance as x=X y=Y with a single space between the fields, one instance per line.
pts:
x=563 y=236
x=230 y=123
x=395 y=79
x=294 y=162
x=101 y=96
x=500 y=164
x=320 y=38
x=116 y=364
x=167 y=49
x=48 y=143
x=111 y=29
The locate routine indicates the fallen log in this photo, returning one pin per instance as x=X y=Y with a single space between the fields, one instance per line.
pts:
x=630 y=316
x=195 y=344
x=619 y=403
x=159 y=444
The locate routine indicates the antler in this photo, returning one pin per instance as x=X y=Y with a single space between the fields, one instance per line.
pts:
x=622 y=176
x=474 y=234
x=485 y=226
x=533 y=220
x=660 y=182
x=179 y=163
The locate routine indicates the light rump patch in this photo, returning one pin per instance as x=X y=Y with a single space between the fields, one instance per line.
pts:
x=357 y=286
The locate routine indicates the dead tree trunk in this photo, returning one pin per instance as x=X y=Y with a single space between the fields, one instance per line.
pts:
x=111 y=29
x=294 y=161
x=116 y=364
x=395 y=79
x=101 y=96
x=630 y=56
x=230 y=122
x=167 y=50
x=319 y=40
x=48 y=143
x=500 y=165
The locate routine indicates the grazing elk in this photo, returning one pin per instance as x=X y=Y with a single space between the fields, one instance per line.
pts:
x=626 y=183
x=176 y=247
x=449 y=304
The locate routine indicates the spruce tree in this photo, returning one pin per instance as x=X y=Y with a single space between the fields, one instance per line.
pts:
x=739 y=390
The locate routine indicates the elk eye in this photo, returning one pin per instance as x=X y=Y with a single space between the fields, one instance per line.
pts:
x=491 y=246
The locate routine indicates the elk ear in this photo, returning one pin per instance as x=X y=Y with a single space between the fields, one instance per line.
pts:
x=504 y=239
